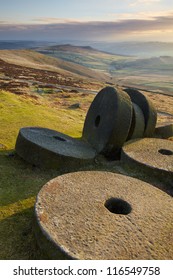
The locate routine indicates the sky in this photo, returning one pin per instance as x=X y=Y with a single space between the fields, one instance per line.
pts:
x=87 y=20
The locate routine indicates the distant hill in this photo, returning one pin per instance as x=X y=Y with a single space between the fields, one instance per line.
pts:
x=83 y=55
x=140 y=49
x=150 y=64
x=36 y=60
x=71 y=48
x=19 y=44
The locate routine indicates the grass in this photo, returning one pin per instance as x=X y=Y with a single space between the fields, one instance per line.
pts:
x=20 y=184
x=21 y=111
x=19 y=181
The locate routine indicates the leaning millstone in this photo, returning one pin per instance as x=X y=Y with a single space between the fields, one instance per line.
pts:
x=108 y=121
x=151 y=155
x=137 y=124
x=164 y=131
x=149 y=112
x=50 y=149
x=102 y=215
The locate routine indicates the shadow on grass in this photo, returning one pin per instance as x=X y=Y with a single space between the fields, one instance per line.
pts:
x=17 y=237
x=20 y=180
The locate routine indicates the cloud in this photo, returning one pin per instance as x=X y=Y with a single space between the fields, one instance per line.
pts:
x=92 y=30
x=45 y=20
x=140 y=15
x=3 y=22
x=144 y=2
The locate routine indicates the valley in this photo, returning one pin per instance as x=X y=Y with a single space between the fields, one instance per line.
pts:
x=147 y=73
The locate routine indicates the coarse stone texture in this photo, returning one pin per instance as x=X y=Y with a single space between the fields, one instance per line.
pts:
x=148 y=109
x=164 y=131
x=50 y=149
x=137 y=124
x=152 y=155
x=103 y=215
x=108 y=121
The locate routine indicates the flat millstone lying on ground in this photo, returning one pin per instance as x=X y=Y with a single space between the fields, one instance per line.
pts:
x=155 y=156
x=51 y=149
x=103 y=215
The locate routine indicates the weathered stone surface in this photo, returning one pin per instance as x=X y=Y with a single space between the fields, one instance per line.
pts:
x=149 y=112
x=48 y=148
x=155 y=156
x=137 y=124
x=164 y=131
x=103 y=215
x=108 y=121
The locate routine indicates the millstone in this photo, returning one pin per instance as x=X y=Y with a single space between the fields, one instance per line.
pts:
x=48 y=148
x=137 y=124
x=155 y=156
x=164 y=130
x=108 y=121
x=149 y=112
x=103 y=215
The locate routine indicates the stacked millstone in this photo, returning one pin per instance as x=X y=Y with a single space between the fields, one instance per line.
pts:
x=116 y=116
x=108 y=121
x=145 y=115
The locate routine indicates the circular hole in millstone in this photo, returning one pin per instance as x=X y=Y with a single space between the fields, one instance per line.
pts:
x=118 y=206
x=97 y=121
x=165 y=152
x=59 y=138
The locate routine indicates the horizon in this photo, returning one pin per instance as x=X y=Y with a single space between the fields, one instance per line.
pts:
x=71 y=42
x=132 y=20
